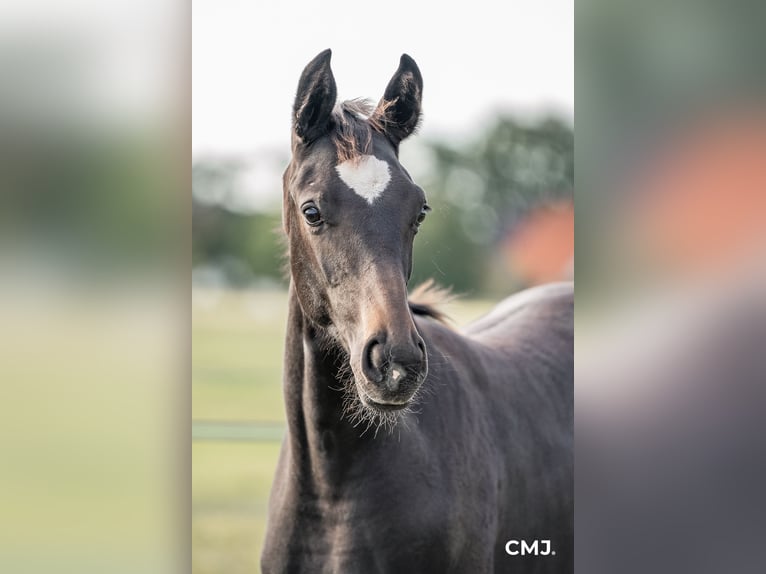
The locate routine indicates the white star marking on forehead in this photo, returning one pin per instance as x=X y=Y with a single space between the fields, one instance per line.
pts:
x=368 y=177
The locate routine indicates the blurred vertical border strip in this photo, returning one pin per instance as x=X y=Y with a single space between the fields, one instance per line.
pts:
x=671 y=272
x=95 y=218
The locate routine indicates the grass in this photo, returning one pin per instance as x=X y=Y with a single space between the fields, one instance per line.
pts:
x=230 y=485
x=237 y=342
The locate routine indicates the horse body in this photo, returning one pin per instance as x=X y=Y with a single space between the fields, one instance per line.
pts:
x=468 y=442
x=487 y=458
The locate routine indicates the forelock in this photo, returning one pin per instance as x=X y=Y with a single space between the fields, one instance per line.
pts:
x=354 y=122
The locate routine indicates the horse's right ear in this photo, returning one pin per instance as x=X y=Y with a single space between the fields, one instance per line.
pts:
x=399 y=109
x=315 y=99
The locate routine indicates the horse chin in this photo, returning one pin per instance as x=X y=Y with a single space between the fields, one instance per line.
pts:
x=385 y=407
x=366 y=406
x=371 y=400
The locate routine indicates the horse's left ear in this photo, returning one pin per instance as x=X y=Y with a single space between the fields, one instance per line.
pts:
x=399 y=109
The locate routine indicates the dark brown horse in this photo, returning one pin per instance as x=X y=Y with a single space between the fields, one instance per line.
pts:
x=471 y=471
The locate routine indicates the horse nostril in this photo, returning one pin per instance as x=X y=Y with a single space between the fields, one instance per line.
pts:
x=373 y=361
x=378 y=358
x=393 y=364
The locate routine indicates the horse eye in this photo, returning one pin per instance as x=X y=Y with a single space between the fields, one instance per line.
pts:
x=312 y=215
x=422 y=214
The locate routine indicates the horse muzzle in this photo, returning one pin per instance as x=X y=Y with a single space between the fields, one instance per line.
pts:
x=392 y=373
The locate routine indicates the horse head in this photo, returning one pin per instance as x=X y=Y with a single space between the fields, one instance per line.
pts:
x=351 y=212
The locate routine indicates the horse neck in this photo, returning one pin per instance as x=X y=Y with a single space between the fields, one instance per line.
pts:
x=318 y=434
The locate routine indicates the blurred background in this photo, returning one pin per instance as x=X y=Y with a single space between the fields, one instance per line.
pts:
x=671 y=287
x=94 y=304
x=495 y=155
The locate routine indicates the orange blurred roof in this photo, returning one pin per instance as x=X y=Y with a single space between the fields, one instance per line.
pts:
x=541 y=248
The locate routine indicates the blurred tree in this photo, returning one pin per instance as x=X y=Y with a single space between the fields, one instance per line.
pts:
x=481 y=190
x=244 y=246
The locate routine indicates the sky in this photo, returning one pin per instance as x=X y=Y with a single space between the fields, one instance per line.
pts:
x=477 y=58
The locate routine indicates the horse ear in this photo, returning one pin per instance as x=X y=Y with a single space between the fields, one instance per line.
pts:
x=399 y=109
x=315 y=99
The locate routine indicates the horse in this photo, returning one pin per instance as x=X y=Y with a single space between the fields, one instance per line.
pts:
x=411 y=446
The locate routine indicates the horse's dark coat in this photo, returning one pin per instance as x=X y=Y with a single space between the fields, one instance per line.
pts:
x=485 y=456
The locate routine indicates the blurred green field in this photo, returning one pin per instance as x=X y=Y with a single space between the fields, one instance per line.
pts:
x=237 y=342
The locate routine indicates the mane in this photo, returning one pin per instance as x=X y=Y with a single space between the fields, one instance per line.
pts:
x=354 y=122
x=425 y=299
